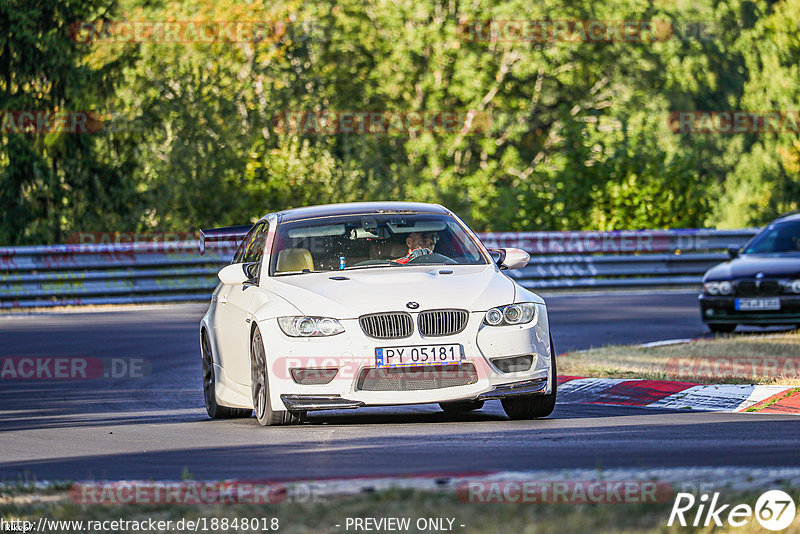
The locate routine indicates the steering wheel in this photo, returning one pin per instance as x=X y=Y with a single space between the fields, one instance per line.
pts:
x=433 y=257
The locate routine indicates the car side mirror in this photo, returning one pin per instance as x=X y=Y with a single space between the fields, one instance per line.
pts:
x=497 y=255
x=733 y=252
x=235 y=274
x=516 y=258
x=510 y=258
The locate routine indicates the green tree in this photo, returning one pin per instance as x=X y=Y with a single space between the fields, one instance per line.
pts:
x=54 y=183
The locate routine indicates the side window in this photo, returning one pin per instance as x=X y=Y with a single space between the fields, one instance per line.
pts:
x=254 y=250
x=237 y=258
x=252 y=244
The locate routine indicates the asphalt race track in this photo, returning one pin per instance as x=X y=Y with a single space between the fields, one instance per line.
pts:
x=155 y=426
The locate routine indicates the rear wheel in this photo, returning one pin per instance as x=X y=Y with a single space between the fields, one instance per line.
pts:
x=534 y=406
x=262 y=407
x=721 y=328
x=461 y=406
x=215 y=411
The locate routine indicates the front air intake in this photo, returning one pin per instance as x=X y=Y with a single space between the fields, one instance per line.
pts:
x=416 y=378
x=513 y=364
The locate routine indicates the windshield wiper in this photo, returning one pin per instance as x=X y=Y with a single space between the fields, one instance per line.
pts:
x=378 y=266
x=304 y=271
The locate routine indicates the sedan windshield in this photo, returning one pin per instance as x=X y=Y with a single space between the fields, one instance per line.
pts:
x=777 y=238
x=372 y=241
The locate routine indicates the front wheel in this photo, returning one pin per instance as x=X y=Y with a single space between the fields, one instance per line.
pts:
x=721 y=328
x=534 y=406
x=262 y=407
x=215 y=411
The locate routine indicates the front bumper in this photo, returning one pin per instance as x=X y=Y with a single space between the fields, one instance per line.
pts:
x=353 y=353
x=311 y=403
x=722 y=310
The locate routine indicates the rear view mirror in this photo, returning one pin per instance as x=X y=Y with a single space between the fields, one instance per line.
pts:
x=733 y=252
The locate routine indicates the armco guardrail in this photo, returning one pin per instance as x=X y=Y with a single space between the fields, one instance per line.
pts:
x=172 y=272
x=621 y=259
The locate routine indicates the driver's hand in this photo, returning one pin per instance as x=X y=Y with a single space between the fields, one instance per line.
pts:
x=417 y=252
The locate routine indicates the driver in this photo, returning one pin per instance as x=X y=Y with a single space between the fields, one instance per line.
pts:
x=419 y=244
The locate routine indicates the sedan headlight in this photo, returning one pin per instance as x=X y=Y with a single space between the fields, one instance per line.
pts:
x=511 y=314
x=793 y=286
x=310 y=326
x=718 y=288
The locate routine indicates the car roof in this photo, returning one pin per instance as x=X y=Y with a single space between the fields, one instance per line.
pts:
x=352 y=208
x=789 y=217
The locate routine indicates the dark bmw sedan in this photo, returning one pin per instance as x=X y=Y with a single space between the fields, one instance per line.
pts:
x=760 y=285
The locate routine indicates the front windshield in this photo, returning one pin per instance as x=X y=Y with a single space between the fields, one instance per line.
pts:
x=372 y=241
x=777 y=238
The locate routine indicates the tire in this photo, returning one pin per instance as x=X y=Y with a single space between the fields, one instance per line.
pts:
x=215 y=411
x=265 y=415
x=460 y=406
x=534 y=406
x=721 y=328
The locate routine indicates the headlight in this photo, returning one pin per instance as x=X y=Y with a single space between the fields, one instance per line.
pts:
x=794 y=286
x=718 y=288
x=310 y=326
x=510 y=314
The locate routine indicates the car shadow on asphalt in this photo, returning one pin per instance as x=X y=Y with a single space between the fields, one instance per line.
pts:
x=71 y=416
x=490 y=412
x=723 y=440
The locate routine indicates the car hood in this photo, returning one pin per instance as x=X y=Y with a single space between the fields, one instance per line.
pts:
x=470 y=287
x=749 y=266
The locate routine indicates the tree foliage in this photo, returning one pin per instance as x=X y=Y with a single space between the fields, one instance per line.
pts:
x=579 y=136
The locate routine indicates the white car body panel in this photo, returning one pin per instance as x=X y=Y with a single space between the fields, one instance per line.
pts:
x=236 y=309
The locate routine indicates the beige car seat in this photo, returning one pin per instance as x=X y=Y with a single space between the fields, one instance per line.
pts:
x=294 y=259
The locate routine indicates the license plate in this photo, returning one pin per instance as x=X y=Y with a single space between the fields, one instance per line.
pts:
x=758 y=304
x=419 y=355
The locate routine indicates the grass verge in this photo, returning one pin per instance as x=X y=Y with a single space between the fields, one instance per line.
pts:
x=323 y=517
x=733 y=359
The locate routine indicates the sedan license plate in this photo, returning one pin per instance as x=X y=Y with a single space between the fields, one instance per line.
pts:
x=758 y=304
x=418 y=355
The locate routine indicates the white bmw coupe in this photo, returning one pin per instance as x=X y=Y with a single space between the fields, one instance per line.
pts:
x=371 y=304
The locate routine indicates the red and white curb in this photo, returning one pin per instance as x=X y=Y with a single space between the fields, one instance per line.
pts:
x=679 y=395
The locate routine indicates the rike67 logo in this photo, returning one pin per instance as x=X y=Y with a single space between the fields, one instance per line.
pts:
x=774 y=510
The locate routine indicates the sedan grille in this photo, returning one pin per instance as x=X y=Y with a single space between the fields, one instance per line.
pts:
x=442 y=322
x=387 y=325
x=416 y=378
x=758 y=288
